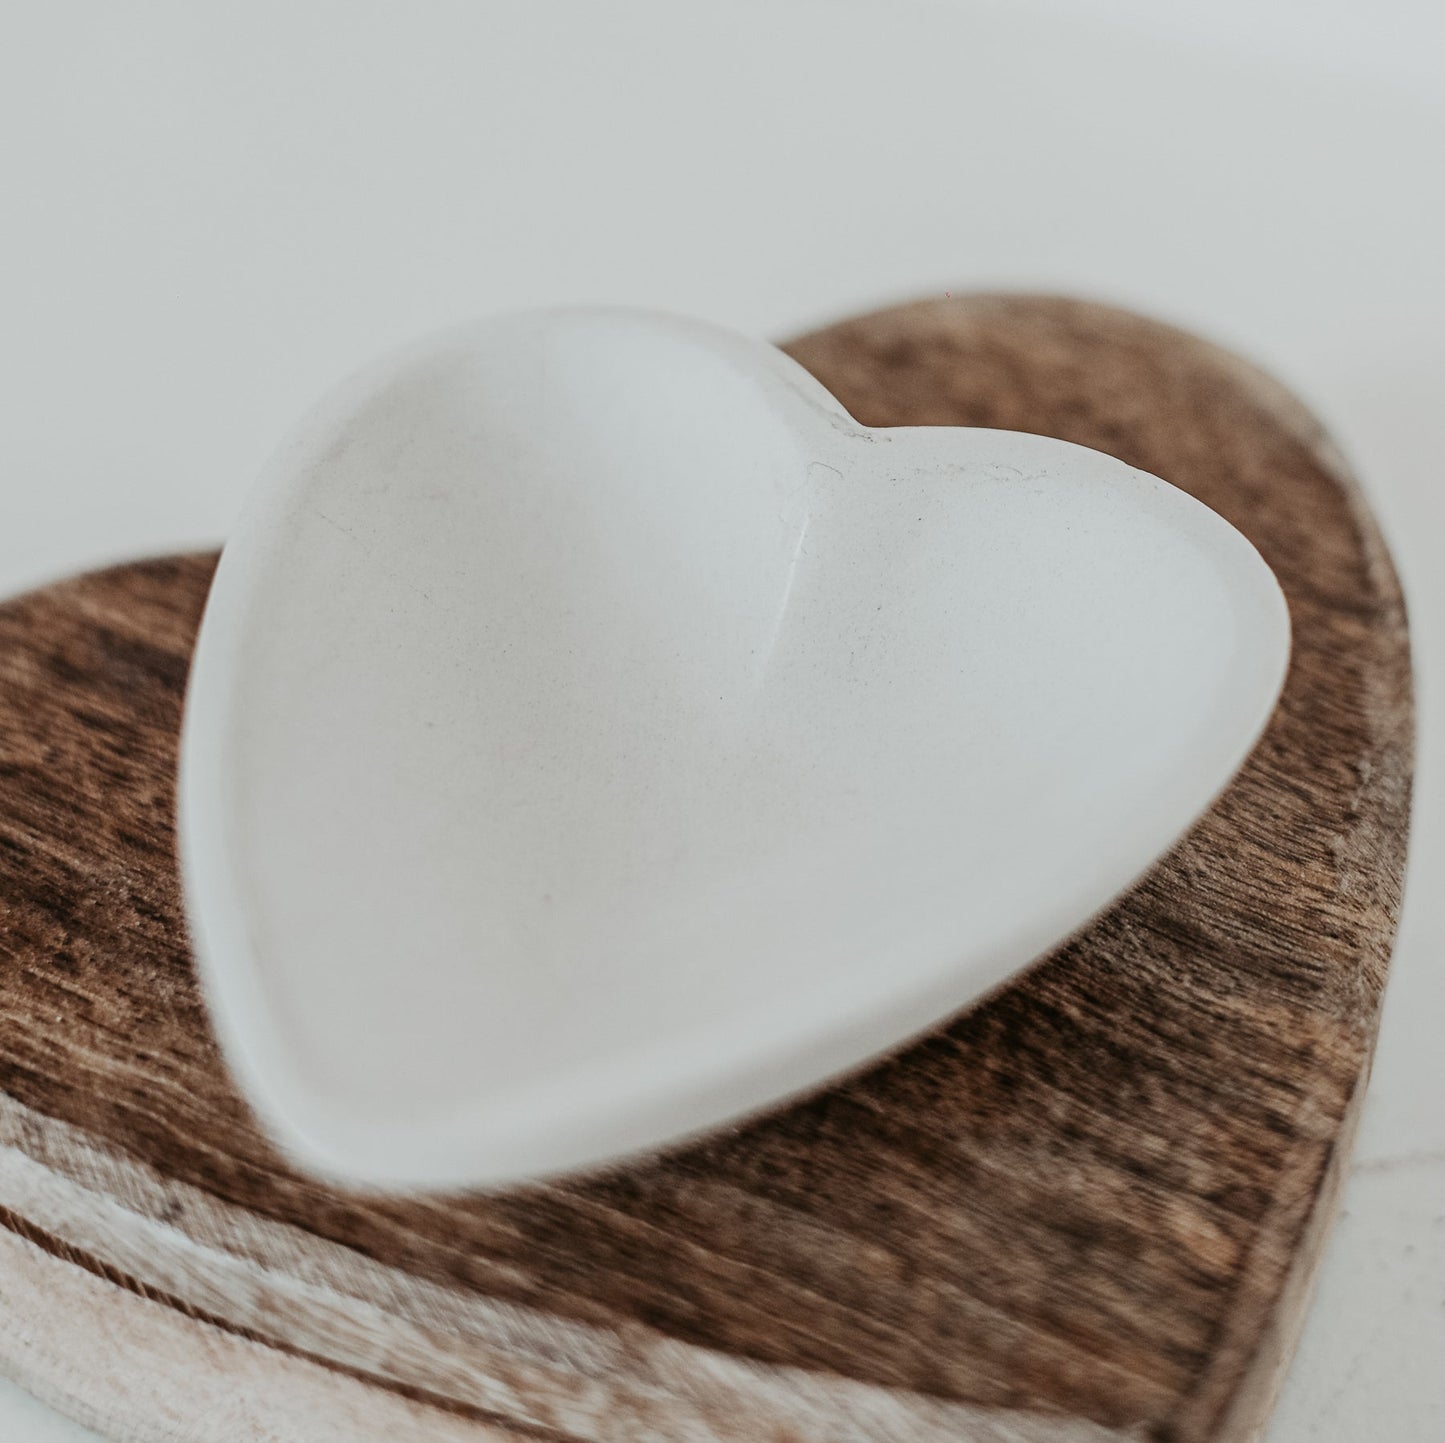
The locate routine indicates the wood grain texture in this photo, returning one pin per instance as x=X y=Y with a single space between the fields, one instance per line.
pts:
x=1087 y=1209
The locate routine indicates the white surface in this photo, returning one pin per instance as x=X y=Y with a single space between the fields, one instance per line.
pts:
x=595 y=735
x=209 y=213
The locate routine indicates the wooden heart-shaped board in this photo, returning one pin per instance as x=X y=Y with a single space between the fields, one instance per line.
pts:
x=1088 y=1208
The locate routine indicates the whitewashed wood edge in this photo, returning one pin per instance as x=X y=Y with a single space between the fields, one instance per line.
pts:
x=313 y=1302
x=138 y=1371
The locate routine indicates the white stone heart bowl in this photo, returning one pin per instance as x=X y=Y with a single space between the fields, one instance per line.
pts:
x=595 y=735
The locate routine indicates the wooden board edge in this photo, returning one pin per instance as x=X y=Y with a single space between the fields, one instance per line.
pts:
x=220 y=1270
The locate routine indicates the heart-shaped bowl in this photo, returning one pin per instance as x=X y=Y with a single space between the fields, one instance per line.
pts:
x=596 y=735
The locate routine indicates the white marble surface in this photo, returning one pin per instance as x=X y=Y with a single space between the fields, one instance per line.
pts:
x=208 y=214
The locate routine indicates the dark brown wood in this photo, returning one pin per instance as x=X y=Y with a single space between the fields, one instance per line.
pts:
x=1086 y=1209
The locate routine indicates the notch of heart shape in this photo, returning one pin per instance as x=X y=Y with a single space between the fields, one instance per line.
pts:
x=596 y=735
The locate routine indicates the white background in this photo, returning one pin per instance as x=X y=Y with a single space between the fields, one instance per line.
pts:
x=208 y=213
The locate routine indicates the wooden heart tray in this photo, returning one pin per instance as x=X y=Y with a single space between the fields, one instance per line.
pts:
x=1088 y=1209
